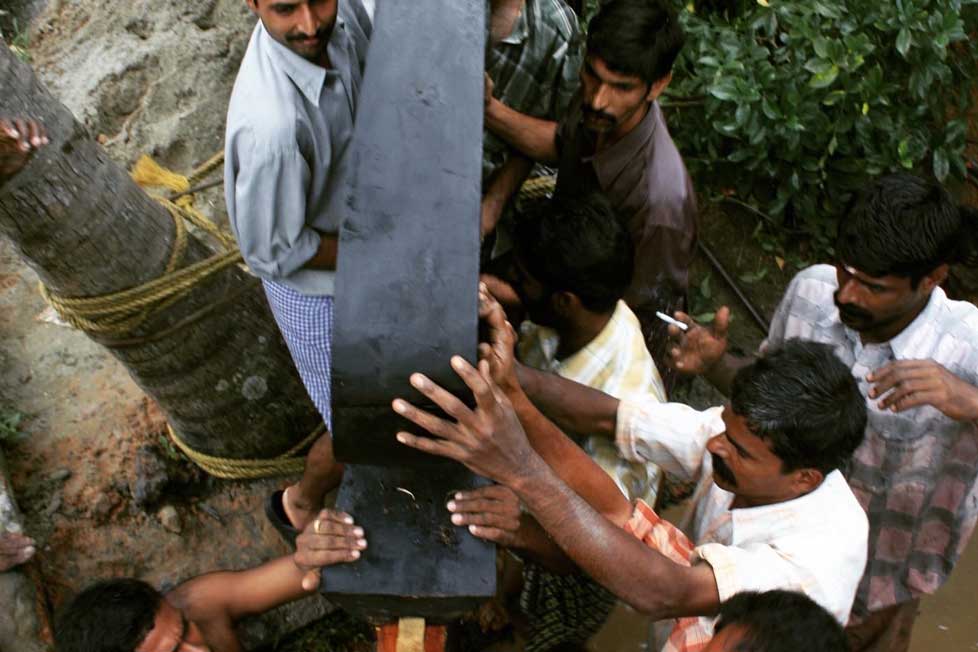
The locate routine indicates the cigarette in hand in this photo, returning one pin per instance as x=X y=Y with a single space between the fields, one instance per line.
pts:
x=669 y=320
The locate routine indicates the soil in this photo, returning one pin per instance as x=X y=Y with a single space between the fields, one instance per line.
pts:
x=155 y=77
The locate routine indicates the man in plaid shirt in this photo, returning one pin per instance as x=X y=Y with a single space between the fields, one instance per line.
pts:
x=532 y=66
x=770 y=503
x=914 y=353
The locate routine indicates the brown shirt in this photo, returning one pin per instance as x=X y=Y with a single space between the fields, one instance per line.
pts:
x=644 y=178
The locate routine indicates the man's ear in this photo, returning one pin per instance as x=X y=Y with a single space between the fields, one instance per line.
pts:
x=807 y=480
x=565 y=303
x=933 y=279
x=253 y=6
x=655 y=90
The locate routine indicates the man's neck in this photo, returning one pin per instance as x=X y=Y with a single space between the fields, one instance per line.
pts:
x=503 y=16
x=580 y=332
x=887 y=332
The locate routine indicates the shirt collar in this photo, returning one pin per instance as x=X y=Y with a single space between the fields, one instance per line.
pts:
x=911 y=341
x=307 y=76
x=611 y=161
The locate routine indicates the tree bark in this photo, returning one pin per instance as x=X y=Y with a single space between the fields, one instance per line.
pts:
x=225 y=380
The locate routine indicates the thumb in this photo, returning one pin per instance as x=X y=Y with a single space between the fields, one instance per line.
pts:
x=310 y=581
x=721 y=322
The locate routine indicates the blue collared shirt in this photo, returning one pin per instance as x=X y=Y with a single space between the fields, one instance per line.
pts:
x=289 y=123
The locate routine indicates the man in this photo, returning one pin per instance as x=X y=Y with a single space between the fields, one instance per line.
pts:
x=914 y=353
x=290 y=119
x=614 y=139
x=129 y=615
x=775 y=621
x=533 y=62
x=770 y=507
x=573 y=262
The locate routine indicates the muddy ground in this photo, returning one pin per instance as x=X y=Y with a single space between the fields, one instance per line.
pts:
x=154 y=77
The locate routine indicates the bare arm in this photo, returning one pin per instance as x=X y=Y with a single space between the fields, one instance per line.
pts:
x=325 y=257
x=572 y=406
x=491 y=442
x=536 y=138
x=504 y=183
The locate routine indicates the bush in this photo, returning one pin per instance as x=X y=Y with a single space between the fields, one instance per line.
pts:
x=792 y=105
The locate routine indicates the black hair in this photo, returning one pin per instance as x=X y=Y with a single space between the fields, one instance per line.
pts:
x=906 y=226
x=636 y=37
x=781 y=621
x=109 y=616
x=578 y=246
x=804 y=401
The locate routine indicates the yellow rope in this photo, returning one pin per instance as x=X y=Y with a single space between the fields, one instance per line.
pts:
x=538 y=188
x=118 y=313
x=238 y=469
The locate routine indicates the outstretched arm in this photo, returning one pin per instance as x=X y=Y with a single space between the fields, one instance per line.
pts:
x=216 y=601
x=491 y=442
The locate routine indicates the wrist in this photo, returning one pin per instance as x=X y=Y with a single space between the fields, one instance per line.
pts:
x=530 y=476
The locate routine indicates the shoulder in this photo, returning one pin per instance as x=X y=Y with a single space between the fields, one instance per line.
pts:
x=815 y=283
x=954 y=337
x=557 y=15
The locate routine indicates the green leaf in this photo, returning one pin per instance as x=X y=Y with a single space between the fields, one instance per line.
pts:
x=823 y=79
x=834 y=98
x=941 y=164
x=903 y=42
x=724 y=90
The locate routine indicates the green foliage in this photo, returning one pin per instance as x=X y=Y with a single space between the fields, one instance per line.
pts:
x=18 y=41
x=792 y=105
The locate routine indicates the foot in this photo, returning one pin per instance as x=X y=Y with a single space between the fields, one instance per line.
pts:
x=19 y=139
x=299 y=513
x=15 y=549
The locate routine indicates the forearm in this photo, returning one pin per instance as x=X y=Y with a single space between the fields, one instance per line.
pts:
x=504 y=183
x=571 y=464
x=638 y=575
x=572 y=406
x=534 y=137
x=534 y=543
x=325 y=256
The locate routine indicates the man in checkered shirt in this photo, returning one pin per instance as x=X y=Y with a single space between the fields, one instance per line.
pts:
x=914 y=353
x=770 y=503
x=533 y=65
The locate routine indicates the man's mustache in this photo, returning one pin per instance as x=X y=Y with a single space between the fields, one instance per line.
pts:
x=850 y=310
x=723 y=471
x=597 y=114
x=320 y=35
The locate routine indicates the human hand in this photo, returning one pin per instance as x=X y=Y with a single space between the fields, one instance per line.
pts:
x=489 y=88
x=489 y=440
x=15 y=549
x=491 y=513
x=331 y=538
x=906 y=384
x=19 y=139
x=499 y=352
x=699 y=348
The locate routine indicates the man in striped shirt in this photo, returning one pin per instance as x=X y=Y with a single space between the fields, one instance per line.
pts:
x=573 y=263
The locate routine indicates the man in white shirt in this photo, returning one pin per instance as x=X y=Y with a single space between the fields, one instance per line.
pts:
x=771 y=510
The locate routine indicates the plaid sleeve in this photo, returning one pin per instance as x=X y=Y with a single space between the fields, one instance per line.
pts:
x=659 y=534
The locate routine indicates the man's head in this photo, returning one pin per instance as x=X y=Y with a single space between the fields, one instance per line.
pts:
x=124 y=615
x=775 y=621
x=303 y=26
x=894 y=246
x=571 y=257
x=795 y=415
x=631 y=46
